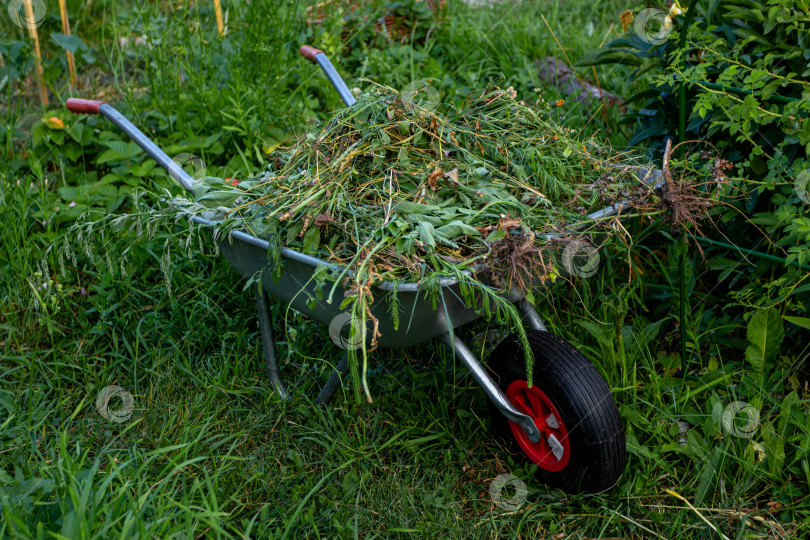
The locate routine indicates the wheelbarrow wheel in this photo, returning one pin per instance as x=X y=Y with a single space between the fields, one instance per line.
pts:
x=582 y=448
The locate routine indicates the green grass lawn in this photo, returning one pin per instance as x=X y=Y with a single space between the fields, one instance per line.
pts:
x=209 y=450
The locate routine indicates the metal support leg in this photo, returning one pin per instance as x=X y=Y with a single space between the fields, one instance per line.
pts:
x=532 y=317
x=268 y=343
x=491 y=389
x=335 y=380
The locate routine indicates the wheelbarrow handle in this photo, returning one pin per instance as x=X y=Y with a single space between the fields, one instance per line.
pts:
x=309 y=52
x=319 y=57
x=91 y=106
x=83 y=106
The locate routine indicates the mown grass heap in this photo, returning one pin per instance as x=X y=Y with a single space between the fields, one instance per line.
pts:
x=392 y=190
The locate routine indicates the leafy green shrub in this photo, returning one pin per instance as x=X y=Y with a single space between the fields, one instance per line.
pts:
x=745 y=68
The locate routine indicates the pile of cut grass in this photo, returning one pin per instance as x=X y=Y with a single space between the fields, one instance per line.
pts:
x=391 y=190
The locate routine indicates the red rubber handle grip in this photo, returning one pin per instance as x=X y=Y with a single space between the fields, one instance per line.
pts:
x=309 y=52
x=83 y=106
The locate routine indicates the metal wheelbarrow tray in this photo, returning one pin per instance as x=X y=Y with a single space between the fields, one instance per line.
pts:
x=566 y=423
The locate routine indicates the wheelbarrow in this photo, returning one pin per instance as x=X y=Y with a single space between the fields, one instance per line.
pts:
x=566 y=423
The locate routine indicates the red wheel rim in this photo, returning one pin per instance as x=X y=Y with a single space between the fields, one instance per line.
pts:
x=553 y=450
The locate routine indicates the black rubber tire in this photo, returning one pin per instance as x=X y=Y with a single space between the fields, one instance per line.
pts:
x=581 y=396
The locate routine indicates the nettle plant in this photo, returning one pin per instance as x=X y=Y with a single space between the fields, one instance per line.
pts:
x=745 y=68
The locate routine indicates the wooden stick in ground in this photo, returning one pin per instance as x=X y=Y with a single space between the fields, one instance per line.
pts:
x=220 y=24
x=66 y=30
x=32 y=31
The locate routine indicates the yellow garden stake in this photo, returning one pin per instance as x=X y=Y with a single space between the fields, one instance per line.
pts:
x=220 y=25
x=66 y=30
x=32 y=31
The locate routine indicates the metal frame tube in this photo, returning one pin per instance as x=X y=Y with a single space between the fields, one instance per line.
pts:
x=268 y=342
x=139 y=138
x=491 y=389
x=335 y=78
x=335 y=380
x=532 y=317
